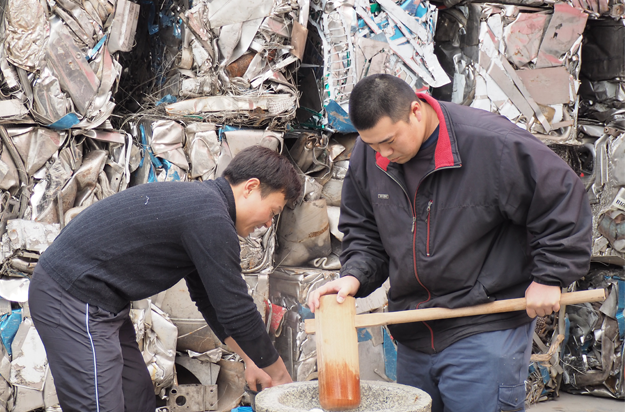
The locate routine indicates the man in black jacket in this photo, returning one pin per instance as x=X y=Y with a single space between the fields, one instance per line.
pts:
x=137 y=243
x=458 y=207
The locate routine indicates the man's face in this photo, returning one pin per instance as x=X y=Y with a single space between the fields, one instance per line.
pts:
x=256 y=211
x=399 y=141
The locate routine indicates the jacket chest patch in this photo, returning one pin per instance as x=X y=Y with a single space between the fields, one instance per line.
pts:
x=383 y=196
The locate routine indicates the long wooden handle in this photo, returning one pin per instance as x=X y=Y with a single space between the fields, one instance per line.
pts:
x=420 y=315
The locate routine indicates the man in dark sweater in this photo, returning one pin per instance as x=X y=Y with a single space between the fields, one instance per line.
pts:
x=457 y=207
x=142 y=241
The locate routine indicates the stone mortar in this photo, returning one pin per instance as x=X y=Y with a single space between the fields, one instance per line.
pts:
x=375 y=397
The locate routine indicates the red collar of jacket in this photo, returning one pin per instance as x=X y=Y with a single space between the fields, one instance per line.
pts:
x=443 y=155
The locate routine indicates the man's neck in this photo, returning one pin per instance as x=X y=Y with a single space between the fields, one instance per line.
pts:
x=431 y=119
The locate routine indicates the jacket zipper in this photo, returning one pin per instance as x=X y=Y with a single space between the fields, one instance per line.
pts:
x=414 y=241
x=414 y=237
x=427 y=244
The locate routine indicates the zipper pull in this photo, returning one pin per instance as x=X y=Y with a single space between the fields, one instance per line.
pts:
x=430 y=206
x=414 y=220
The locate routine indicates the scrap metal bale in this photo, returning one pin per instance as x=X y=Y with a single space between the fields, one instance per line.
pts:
x=156 y=336
x=193 y=331
x=59 y=61
x=594 y=353
x=22 y=244
x=289 y=291
x=521 y=63
x=602 y=69
x=226 y=63
x=230 y=384
x=304 y=233
x=351 y=40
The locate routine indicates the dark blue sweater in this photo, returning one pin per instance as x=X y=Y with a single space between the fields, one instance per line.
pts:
x=143 y=240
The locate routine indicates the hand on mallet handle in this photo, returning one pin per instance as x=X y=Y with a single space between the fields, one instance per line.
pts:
x=541 y=300
x=343 y=287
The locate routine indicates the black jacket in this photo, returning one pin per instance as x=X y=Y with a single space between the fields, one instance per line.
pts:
x=497 y=210
x=145 y=239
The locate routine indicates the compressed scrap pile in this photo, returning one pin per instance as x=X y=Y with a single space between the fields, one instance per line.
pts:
x=225 y=62
x=384 y=37
x=353 y=39
x=59 y=71
x=581 y=349
x=521 y=61
x=86 y=112
x=602 y=129
x=594 y=357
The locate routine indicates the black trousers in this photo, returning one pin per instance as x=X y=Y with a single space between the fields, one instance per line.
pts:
x=93 y=354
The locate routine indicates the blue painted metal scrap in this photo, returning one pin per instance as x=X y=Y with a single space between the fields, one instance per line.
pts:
x=9 y=324
x=390 y=356
x=338 y=119
x=620 y=311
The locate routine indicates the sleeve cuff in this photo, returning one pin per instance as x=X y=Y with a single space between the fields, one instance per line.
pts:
x=547 y=282
x=260 y=350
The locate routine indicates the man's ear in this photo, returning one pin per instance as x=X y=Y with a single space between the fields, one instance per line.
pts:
x=415 y=108
x=250 y=185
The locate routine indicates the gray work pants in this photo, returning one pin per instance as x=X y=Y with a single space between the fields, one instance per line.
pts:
x=93 y=354
x=484 y=372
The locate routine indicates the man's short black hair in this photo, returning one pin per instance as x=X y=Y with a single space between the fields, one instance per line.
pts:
x=377 y=96
x=275 y=172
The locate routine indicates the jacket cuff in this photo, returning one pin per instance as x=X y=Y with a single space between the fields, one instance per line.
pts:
x=547 y=282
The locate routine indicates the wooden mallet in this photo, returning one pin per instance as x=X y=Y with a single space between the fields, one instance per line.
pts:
x=337 y=343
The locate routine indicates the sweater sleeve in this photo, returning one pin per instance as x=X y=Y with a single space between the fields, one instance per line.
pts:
x=363 y=255
x=541 y=192
x=221 y=295
x=200 y=297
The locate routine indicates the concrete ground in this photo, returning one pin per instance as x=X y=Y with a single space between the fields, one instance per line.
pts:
x=578 y=403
